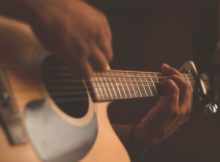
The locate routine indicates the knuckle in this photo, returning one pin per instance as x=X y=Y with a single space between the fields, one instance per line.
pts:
x=174 y=71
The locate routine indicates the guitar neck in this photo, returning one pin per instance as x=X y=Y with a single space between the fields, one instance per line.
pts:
x=103 y=86
x=117 y=85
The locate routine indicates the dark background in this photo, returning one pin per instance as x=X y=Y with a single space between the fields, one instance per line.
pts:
x=147 y=33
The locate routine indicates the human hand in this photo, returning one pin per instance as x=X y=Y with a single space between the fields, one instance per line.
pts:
x=74 y=32
x=170 y=112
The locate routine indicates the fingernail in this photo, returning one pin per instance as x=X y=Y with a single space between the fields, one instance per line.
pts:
x=166 y=65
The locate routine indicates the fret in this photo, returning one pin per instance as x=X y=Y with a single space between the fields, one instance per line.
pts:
x=114 y=94
x=97 y=88
x=154 y=89
x=147 y=84
x=143 y=86
x=148 y=81
x=126 y=82
x=103 y=87
x=132 y=86
x=109 y=90
x=121 y=85
x=117 y=86
x=137 y=89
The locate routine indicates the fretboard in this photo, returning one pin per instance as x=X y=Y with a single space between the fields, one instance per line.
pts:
x=117 y=85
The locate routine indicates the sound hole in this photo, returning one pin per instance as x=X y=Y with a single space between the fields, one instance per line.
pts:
x=68 y=92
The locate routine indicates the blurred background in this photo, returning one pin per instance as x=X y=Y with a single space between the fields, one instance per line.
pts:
x=147 y=33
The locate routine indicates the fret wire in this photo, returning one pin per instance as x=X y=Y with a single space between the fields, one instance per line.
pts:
x=105 y=91
x=118 y=76
x=106 y=84
x=75 y=80
x=108 y=88
x=149 y=85
x=129 y=78
x=97 y=89
x=103 y=88
x=154 y=90
x=138 y=92
x=188 y=77
x=143 y=85
x=94 y=86
x=113 y=84
x=83 y=92
x=113 y=88
x=102 y=80
x=117 y=85
x=114 y=71
x=124 y=75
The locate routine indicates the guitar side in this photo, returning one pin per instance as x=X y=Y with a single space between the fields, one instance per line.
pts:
x=18 y=38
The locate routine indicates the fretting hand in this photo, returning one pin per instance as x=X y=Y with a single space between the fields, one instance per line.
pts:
x=171 y=111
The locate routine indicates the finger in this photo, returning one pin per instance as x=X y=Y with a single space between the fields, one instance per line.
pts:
x=107 y=28
x=104 y=38
x=97 y=59
x=185 y=89
x=106 y=46
x=185 y=98
x=76 y=58
x=168 y=70
x=172 y=92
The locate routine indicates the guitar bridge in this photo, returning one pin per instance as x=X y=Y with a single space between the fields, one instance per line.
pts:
x=9 y=115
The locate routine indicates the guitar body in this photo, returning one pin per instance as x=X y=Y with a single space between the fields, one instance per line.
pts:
x=45 y=132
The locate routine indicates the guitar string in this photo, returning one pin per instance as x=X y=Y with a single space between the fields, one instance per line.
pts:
x=77 y=95
x=106 y=77
x=114 y=73
x=71 y=84
x=88 y=82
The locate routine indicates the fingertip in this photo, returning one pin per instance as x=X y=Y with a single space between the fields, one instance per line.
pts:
x=165 y=68
x=165 y=65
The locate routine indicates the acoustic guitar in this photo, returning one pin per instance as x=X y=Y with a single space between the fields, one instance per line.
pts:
x=48 y=115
